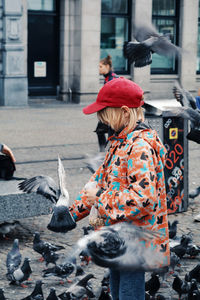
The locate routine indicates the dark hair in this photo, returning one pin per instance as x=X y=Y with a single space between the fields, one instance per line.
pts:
x=107 y=61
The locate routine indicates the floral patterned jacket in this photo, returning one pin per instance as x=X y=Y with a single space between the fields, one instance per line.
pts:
x=133 y=186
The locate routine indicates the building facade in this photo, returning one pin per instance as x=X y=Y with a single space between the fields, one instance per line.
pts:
x=53 y=47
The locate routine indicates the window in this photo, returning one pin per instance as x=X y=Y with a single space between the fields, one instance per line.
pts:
x=198 y=44
x=165 y=19
x=47 y=5
x=115 y=23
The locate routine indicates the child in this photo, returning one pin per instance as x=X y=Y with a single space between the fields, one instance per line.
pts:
x=105 y=69
x=130 y=184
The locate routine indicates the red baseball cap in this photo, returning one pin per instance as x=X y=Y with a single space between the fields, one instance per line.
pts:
x=116 y=93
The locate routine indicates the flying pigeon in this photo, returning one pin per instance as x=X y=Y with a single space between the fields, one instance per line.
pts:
x=61 y=220
x=184 y=97
x=14 y=257
x=188 y=111
x=20 y=274
x=37 y=293
x=119 y=246
x=148 y=41
x=94 y=162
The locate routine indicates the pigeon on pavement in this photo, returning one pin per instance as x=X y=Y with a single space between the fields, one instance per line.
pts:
x=194 y=273
x=79 y=290
x=61 y=220
x=37 y=293
x=194 y=193
x=172 y=229
x=153 y=284
x=7 y=227
x=61 y=270
x=50 y=256
x=40 y=246
x=14 y=257
x=52 y=295
x=21 y=274
x=2 y=297
x=148 y=41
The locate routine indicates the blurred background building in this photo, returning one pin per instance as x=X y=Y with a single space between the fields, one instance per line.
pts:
x=53 y=47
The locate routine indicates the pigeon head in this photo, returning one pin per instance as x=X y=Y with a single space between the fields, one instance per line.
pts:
x=36 y=236
x=16 y=244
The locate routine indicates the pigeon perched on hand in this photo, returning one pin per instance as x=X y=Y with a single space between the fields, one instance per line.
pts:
x=14 y=257
x=37 y=293
x=119 y=246
x=61 y=220
x=148 y=41
x=21 y=274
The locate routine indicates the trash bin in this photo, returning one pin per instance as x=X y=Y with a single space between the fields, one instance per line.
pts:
x=172 y=130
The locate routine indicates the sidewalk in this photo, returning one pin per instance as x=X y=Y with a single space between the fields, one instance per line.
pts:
x=37 y=134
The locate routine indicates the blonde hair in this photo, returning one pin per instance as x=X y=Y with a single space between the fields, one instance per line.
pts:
x=113 y=116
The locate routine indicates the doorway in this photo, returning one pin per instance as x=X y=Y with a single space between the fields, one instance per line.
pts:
x=43 y=47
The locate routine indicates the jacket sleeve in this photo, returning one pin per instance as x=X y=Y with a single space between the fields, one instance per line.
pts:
x=136 y=199
x=81 y=207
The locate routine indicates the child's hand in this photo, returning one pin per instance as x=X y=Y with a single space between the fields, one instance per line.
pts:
x=91 y=195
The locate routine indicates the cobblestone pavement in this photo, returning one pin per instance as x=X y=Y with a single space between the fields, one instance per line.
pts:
x=37 y=134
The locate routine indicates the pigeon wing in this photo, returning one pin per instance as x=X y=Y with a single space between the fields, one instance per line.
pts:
x=163 y=46
x=62 y=180
x=43 y=185
x=144 y=32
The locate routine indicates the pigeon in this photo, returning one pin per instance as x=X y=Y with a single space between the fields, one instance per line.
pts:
x=2 y=297
x=61 y=220
x=14 y=257
x=20 y=274
x=37 y=293
x=79 y=271
x=118 y=246
x=180 y=250
x=40 y=246
x=194 y=193
x=180 y=286
x=50 y=256
x=193 y=250
x=148 y=41
x=61 y=270
x=184 y=97
x=79 y=290
x=194 y=273
x=188 y=111
x=153 y=284
x=52 y=295
x=172 y=229
x=94 y=162
x=7 y=227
